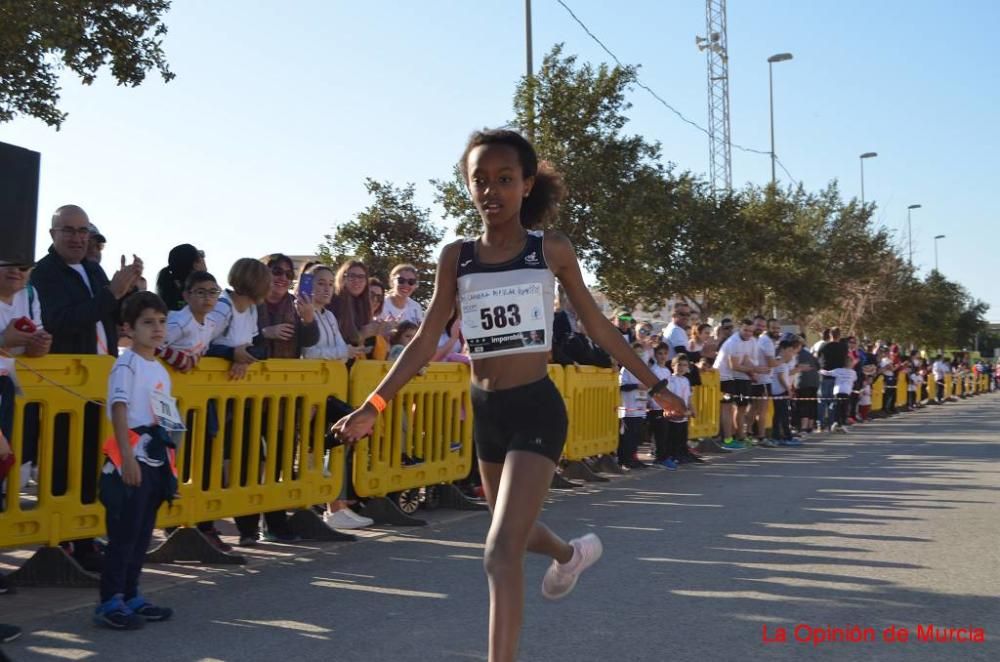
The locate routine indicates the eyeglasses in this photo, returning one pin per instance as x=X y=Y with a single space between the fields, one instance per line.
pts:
x=375 y=294
x=69 y=232
x=355 y=277
x=406 y=281
x=22 y=268
x=206 y=293
x=287 y=273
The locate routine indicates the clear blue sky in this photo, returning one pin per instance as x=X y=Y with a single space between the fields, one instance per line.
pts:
x=280 y=110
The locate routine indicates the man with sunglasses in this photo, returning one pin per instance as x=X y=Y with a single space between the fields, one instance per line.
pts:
x=676 y=333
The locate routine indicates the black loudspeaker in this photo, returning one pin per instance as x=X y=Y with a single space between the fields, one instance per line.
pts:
x=19 y=169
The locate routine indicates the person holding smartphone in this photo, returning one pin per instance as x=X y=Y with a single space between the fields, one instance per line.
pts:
x=352 y=307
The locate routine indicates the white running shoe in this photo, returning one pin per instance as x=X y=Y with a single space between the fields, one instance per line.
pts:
x=561 y=578
x=341 y=520
x=360 y=519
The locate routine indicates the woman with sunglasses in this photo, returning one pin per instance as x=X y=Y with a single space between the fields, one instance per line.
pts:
x=398 y=306
x=286 y=322
x=352 y=306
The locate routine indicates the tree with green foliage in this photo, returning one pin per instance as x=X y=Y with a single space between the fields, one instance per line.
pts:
x=393 y=229
x=39 y=37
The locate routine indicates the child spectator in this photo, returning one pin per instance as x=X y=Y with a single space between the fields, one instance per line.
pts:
x=677 y=426
x=781 y=386
x=657 y=423
x=234 y=317
x=182 y=261
x=189 y=334
x=398 y=306
x=21 y=334
x=865 y=401
x=451 y=343
x=400 y=338
x=632 y=413
x=138 y=474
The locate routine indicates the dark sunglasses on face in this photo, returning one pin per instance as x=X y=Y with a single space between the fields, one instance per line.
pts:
x=287 y=273
x=406 y=281
x=643 y=332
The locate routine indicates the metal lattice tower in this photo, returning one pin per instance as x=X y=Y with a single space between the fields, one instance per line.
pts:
x=714 y=43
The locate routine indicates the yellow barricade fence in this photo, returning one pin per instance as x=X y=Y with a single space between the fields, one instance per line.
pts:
x=948 y=386
x=931 y=387
x=592 y=400
x=707 y=400
x=423 y=438
x=878 y=394
x=70 y=429
x=253 y=445
x=901 y=383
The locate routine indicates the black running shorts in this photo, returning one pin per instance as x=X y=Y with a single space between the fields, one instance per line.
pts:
x=736 y=391
x=524 y=418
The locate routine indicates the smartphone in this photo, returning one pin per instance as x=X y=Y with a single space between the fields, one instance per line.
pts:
x=306 y=285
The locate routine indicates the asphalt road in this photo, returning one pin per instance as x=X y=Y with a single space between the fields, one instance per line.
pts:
x=896 y=524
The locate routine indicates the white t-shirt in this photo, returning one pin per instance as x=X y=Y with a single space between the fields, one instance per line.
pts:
x=940 y=370
x=765 y=352
x=185 y=333
x=865 y=399
x=681 y=387
x=737 y=348
x=410 y=312
x=634 y=401
x=661 y=373
x=133 y=380
x=783 y=368
x=331 y=345
x=18 y=308
x=674 y=336
x=102 y=336
x=232 y=328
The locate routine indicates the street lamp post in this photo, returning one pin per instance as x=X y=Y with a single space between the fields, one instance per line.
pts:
x=909 y=230
x=779 y=57
x=866 y=155
x=936 y=237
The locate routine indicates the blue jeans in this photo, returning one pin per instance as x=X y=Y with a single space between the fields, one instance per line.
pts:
x=827 y=402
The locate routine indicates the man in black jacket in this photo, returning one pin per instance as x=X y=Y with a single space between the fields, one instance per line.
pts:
x=80 y=304
x=80 y=310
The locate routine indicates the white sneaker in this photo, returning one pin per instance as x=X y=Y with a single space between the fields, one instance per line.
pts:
x=341 y=520
x=360 y=519
x=835 y=427
x=561 y=578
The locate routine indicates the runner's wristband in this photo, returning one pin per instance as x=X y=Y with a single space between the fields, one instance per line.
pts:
x=377 y=401
x=658 y=387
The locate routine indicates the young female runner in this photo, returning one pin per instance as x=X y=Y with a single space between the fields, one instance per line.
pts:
x=504 y=284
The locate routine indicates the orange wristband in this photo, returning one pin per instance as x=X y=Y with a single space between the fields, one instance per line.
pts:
x=377 y=401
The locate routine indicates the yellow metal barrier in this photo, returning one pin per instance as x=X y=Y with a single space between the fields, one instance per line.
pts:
x=592 y=399
x=878 y=394
x=429 y=422
x=278 y=409
x=931 y=387
x=901 y=383
x=267 y=451
x=948 y=386
x=67 y=506
x=707 y=400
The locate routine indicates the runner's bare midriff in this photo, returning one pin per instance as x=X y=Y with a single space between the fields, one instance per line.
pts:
x=504 y=372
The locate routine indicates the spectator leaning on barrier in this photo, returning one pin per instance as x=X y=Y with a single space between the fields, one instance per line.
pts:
x=735 y=363
x=20 y=310
x=352 y=306
x=766 y=332
x=181 y=262
x=805 y=388
x=288 y=323
x=81 y=312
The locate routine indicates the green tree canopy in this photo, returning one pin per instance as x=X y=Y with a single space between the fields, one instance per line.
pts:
x=390 y=231
x=38 y=37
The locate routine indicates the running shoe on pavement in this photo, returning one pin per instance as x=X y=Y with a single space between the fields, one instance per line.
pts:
x=561 y=578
